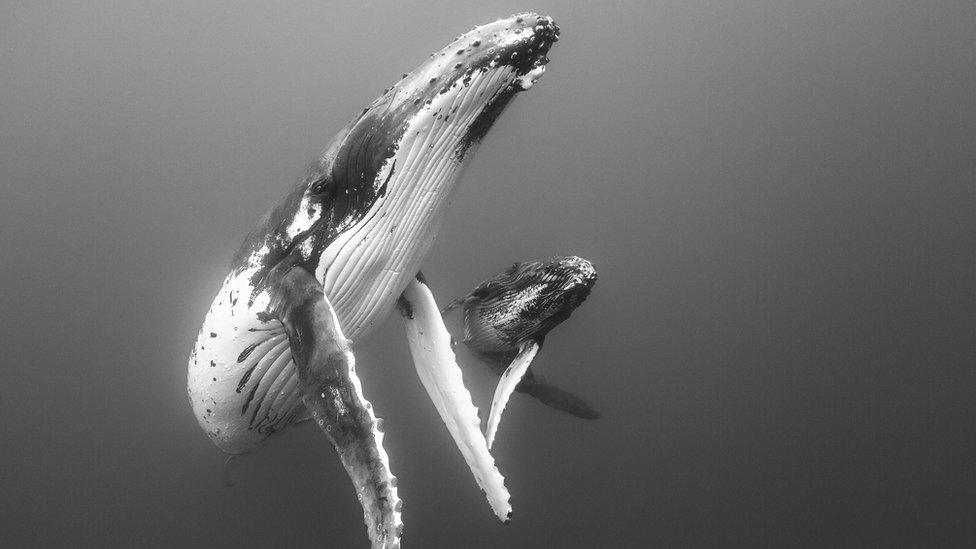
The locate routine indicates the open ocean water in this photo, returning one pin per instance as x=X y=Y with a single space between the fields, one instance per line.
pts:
x=780 y=198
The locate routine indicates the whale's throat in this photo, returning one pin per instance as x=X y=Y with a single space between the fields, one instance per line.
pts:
x=367 y=267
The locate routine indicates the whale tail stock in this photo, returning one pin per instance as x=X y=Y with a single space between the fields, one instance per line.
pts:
x=332 y=392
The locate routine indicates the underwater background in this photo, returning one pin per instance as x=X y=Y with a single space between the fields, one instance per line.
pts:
x=779 y=197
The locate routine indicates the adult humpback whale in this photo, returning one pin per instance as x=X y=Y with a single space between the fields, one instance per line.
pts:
x=331 y=258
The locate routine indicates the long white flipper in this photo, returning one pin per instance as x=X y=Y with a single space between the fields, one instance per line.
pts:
x=430 y=345
x=506 y=385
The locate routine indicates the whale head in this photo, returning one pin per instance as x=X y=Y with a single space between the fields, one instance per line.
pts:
x=573 y=278
x=366 y=212
x=438 y=112
x=522 y=304
x=460 y=90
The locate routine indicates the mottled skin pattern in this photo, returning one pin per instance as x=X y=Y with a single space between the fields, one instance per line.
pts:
x=242 y=381
x=353 y=231
x=520 y=305
x=331 y=392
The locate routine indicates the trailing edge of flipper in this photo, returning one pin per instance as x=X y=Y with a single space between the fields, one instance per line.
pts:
x=361 y=219
x=506 y=386
x=430 y=345
x=333 y=394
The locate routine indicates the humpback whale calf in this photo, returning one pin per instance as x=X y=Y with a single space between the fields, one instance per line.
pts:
x=330 y=260
x=506 y=319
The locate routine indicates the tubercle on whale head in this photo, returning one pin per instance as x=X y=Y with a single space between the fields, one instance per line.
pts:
x=517 y=45
x=577 y=271
x=521 y=42
x=543 y=293
x=572 y=280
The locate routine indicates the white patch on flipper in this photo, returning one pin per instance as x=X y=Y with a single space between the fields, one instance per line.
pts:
x=430 y=345
x=506 y=386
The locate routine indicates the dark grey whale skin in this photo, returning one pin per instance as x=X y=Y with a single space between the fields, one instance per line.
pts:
x=522 y=304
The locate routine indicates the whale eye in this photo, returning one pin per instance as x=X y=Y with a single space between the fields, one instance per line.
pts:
x=320 y=186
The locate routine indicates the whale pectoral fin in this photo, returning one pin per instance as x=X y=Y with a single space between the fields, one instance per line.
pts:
x=554 y=397
x=430 y=345
x=332 y=392
x=506 y=385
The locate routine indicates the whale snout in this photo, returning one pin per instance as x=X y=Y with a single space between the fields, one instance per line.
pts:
x=521 y=41
x=535 y=32
x=545 y=30
x=577 y=272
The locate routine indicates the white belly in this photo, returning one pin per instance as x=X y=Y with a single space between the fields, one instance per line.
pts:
x=242 y=383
